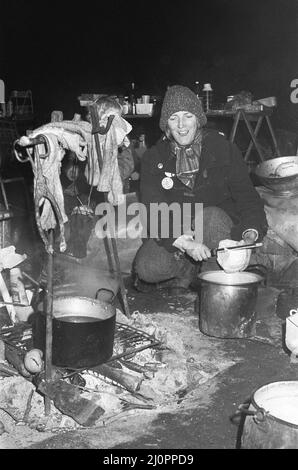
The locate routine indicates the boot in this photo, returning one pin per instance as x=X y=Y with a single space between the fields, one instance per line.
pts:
x=142 y=286
x=181 y=285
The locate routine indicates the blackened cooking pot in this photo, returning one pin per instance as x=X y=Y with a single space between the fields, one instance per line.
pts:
x=83 y=331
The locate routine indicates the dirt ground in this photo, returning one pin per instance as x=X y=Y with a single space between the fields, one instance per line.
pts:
x=204 y=417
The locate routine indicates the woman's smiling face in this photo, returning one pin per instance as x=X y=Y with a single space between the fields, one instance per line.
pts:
x=183 y=126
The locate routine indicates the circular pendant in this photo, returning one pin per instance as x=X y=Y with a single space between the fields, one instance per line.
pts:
x=167 y=183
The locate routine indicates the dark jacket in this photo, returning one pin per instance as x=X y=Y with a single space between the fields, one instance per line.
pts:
x=222 y=181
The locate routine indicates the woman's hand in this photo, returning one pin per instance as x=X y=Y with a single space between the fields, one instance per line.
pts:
x=197 y=251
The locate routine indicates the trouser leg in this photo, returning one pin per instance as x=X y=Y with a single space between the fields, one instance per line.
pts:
x=154 y=264
x=217 y=226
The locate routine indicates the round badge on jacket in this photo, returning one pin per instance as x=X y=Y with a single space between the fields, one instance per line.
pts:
x=167 y=182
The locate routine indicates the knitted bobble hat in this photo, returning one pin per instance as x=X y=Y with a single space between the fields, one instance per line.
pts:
x=180 y=98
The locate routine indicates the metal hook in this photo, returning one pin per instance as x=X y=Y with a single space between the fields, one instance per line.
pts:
x=96 y=128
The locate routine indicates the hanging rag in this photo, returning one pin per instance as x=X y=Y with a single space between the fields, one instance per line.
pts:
x=51 y=169
x=76 y=136
x=61 y=136
x=108 y=178
x=72 y=135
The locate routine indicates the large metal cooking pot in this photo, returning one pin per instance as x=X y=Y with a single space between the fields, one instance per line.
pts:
x=272 y=417
x=279 y=174
x=83 y=331
x=227 y=303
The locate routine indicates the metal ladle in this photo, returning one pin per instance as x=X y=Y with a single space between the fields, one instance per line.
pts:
x=250 y=246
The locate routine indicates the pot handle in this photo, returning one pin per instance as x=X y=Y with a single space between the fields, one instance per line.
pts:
x=293 y=311
x=106 y=295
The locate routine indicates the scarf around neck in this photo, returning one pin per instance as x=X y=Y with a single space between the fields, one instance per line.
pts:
x=187 y=160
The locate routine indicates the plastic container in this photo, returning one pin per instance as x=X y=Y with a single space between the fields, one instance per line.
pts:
x=144 y=108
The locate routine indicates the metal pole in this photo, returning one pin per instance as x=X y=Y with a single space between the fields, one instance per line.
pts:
x=49 y=323
x=108 y=250
x=96 y=129
x=120 y=278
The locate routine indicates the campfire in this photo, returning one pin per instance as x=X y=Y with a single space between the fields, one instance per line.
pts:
x=161 y=363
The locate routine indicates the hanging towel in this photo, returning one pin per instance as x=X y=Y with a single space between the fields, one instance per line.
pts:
x=71 y=135
x=51 y=169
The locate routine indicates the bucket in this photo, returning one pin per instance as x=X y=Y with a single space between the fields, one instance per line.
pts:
x=227 y=303
x=272 y=417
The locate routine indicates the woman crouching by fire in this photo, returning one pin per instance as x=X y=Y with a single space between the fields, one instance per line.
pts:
x=199 y=169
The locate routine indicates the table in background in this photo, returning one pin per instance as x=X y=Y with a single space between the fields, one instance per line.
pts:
x=248 y=117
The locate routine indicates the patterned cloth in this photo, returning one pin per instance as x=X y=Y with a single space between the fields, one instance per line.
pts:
x=188 y=160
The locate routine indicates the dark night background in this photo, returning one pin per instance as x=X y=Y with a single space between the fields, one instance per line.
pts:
x=62 y=49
